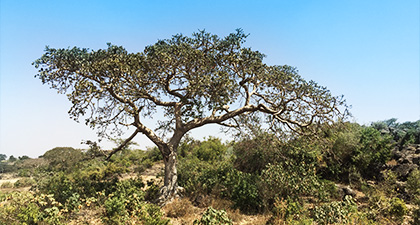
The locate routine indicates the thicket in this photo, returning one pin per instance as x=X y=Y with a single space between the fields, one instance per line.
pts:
x=73 y=181
x=293 y=179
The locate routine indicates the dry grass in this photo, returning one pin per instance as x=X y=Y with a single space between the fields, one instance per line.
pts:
x=179 y=208
x=182 y=211
x=88 y=216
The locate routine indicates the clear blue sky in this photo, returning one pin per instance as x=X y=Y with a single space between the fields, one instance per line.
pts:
x=366 y=50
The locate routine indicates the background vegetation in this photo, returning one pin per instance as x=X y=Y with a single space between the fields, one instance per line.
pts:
x=347 y=176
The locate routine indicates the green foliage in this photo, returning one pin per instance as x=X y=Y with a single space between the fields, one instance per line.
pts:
x=86 y=180
x=152 y=215
x=398 y=209
x=60 y=185
x=384 y=207
x=154 y=154
x=337 y=157
x=402 y=133
x=3 y=157
x=355 y=151
x=27 y=208
x=210 y=149
x=374 y=151
x=7 y=167
x=214 y=217
x=12 y=158
x=126 y=203
x=242 y=189
x=223 y=180
x=288 y=210
x=413 y=183
x=63 y=158
x=253 y=155
x=290 y=180
x=335 y=212
x=24 y=182
x=73 y=202
x=416 y=213
x=24 y=157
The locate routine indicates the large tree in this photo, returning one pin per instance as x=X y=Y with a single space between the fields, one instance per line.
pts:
x=192 y=81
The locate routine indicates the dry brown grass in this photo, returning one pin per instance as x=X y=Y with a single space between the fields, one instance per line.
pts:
x=182 y=211
x=88 y=216
x=178 y=208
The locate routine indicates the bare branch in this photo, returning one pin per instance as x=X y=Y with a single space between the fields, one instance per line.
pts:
x=119 y=148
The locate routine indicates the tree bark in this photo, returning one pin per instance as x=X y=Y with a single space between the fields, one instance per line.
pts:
x=170 y=182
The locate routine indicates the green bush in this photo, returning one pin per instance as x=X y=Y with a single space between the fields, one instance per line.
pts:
x=24 y=182
x=210 y=149
x=290 y=180
x=288 y=210
x=214 y=217
x=374 y=151
x=126 y=198
x=27 y=208
x=398 y=209
x=413 y=183
x=252 y=155
x=337 y=156
x=154 y=154
x=335 y=212
x=222 y=180
x=60 y=185
x=242 y=189
x=152 y=215
x=126 y=203
x=416 y=213
x=355 y=150
x=63 y=158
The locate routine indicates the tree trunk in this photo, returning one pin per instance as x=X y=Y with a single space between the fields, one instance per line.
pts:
x=170 y=184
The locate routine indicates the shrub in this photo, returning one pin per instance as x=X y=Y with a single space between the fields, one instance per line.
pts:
x=375 y=151
x=252 y=155
x=355 y=150
x=413 y=183
x=27 y=208
x=335 y=212
x=63 y=158
x=210 y=149
x=24 y=182
x=179 y=208
x=154 y=154
x=126 y=203
x=7 y=184
x=288 y=210
x=289 y=180
x=398 y=209
x=200 y=177
x=381 y=207
x=59 y=185
x=416 y=214
x=337 y=157
x=152 y=215
x=242 y=189
x=214 y=217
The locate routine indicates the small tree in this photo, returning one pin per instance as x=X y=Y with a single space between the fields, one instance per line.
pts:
x=12 y=158
x=194 y=81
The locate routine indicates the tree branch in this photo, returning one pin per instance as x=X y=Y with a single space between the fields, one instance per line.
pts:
x=123 y=144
